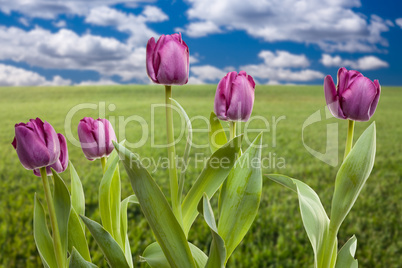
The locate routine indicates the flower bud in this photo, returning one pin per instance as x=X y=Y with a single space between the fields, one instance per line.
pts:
x=234 y=97
x=355 y=97
x=96 y=137
x=61 y=163
x=36 y=144
x=168 y=60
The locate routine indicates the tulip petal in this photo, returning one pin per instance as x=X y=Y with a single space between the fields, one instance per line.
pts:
x=223 y=95
x=331 y=97
x=242 y=99
x=357 y=99
x=87 y=139
x=373 y=105
x=52 y=142
x=173 y=68
x=149 y=59
x=31 y=150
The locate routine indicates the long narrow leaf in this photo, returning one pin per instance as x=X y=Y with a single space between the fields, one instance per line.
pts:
x=77 y=192
x=111 y=250
x=77 y=261
x=155 y=258
x=76 y=236
x=216 y=134
x=217 y=252
x=62 y=206
x=240 y=197
x=123 y=227
x=43 y=240
x=109 y=199
x=352 y=176
x=314 y=217
x=346 y=256
x=156 y=209
x=211 y=178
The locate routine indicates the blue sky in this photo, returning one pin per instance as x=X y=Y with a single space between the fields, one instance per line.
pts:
x=64 y=42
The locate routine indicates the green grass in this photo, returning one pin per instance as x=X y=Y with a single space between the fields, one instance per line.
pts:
x=277 y=237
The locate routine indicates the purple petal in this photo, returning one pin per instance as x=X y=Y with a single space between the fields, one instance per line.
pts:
x=331 y=97
x=373 y=106
x=242 y=99
x=357 y=99
x=149 y=59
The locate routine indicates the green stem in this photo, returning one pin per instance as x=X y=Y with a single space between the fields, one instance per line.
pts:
x=103 y=162
x=174 y=186
x=60 y=256
x=349 y=138
x=329 y=247
x=232 y=129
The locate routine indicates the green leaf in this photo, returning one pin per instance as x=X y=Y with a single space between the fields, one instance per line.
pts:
x=62 y=206
x=352 y=175
x=240 y=197
x=155 y=258
x=211 y=178
x=77 y=192
x=76 y=236
x=43 y=240
x=217 y=252
x=346 y=256
x=109 y=199
x=217 y=135
x=157 y=211
x=314 y=217
x=111 y=250
x=186 y=150
x=77 y=261
x=123 y=227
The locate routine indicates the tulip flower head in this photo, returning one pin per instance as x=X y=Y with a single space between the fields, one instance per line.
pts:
x=36 y=143
x=234 y=97
x=96 y=137
x=61 y=164
x=355 y=97
x=168 y=60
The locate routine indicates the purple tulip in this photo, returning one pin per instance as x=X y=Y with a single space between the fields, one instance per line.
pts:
x=234 y=97
x=355 y=97
x=96 y=137
x=61 y=163
x=36 y=144
x=168 y=60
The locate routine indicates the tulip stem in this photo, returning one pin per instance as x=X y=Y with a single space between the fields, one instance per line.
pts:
x=174 y=186
x=103 y=162
x=60 y=256
x=232 y=129
x=349 y=138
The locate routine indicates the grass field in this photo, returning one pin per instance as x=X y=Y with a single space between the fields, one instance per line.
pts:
x=277 y=237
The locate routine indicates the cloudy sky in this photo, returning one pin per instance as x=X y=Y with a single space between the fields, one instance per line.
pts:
x=68 y=42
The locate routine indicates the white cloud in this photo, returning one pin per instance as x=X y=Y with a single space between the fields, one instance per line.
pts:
x=134 y=25
x=199 y=29
x=283 y=59
x=14 y=76
x=50 y=9
x=280 y=66
x=363 y=63
x=24 y=21
x=206 y=73
x=67 y=50
x=332 y=25
x=60 y=24
x=399 y=22
x=100 y=82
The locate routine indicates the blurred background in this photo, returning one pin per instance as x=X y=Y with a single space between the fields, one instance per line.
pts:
x=48 y=48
